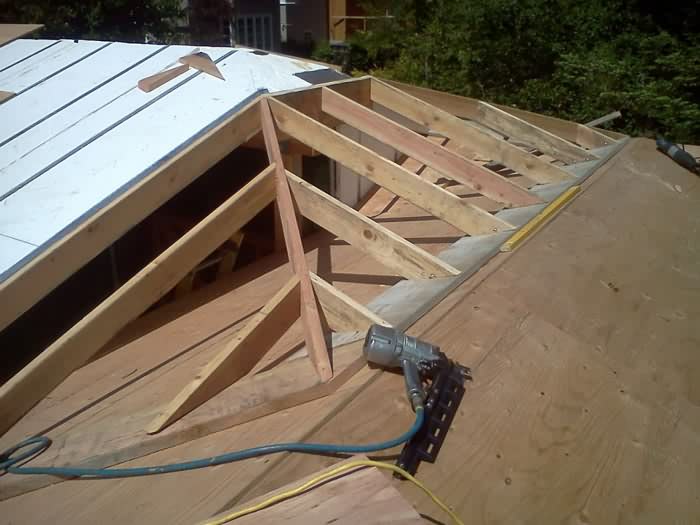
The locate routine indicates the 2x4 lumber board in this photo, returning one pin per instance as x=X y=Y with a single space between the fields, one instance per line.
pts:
x=406 y=141
x=342 y=312
x=382 y=244
x=545 y=141
x=566 y=129
x=84 y=339
x=59 y=261
x=433 y=199
x=602 y=120
x=358 y=90
x=148 y=84
x=468 y=137
x=465 y=107
x=238 y=357
x=311 y=320
x=5 y=95
x=296 y=164
x=202 y=62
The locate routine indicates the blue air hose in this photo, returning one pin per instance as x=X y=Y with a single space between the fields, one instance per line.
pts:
x=38 y=444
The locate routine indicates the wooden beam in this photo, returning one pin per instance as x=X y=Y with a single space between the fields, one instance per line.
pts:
x=5 y=96
x=545 y=141
x=202 y=62
x=433 y=199
x=148 y=84
x=342 y=312
x=406 y=141
x=603 y=120
x=296 y=164
x=60 y=260
x=77 y=345
x=238 y=357
x=566 y=129
x=393 y=251
x=311 y=320
x=465 y=107
x=467 y=137
x=10 y=32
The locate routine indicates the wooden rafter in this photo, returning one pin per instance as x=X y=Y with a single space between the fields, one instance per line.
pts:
x=238 y=357
x=342 y=312
x=313 y=332
x=433 y=199
x=469 y=139
x=85 y=338
x=465 y=107
x=50 y=268
x=377 y=241
x=545 y=141
x=152 y=82
x=406 y=141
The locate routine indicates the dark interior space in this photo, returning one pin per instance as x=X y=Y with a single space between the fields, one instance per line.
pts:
x=85 y=289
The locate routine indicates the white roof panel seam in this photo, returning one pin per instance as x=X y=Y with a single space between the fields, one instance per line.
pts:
x=105 y=131
x=30 y=55
x=82 y=95
x=18 y=240
x=63 y=69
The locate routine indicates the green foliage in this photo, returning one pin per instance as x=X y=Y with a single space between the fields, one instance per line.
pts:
x=577 y=60
x=123 y=20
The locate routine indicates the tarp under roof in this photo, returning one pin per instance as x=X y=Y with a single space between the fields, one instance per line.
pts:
x=78 y=131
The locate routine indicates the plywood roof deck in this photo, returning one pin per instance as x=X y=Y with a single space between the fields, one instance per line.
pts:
x=416 y=255
x=583 y=406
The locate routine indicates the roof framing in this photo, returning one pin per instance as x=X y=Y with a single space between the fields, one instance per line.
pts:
x=307 y=116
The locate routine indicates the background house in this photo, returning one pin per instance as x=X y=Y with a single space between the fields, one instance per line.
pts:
x=250 y=23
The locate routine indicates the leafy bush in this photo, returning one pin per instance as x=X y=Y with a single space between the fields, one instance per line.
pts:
x=577 y=60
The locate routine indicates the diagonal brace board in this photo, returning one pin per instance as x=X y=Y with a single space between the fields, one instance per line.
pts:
x=469 y=138
x=433 y=199
x=85 y=338
x=448 y=163
x=375 y=240
x=239 y=356
x=311 y=320
x=342 y=312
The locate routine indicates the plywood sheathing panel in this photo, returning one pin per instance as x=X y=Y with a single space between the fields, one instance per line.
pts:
x=585 y=365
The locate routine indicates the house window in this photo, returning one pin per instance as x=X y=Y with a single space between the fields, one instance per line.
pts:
x=254 y=31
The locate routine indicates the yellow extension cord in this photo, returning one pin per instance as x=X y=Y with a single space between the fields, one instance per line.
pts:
x=325 y=476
